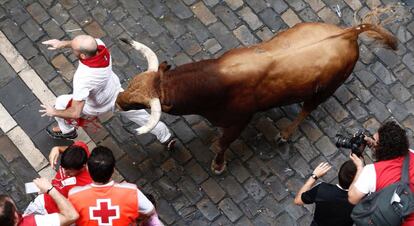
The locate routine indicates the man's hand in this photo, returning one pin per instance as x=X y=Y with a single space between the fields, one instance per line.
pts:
x=370 y=142
x=322 y=169
x=55 y=44
x=53 y=156
x=47 y=110
x=43 y=184
x=359 y=162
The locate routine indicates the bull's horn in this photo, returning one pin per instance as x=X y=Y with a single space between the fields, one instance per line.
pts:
x=146 y=51
x=154 y=118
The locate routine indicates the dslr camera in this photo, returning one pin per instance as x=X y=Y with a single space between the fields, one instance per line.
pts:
x=356 y=143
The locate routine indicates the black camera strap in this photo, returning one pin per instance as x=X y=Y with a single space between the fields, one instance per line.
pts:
x=405 y=168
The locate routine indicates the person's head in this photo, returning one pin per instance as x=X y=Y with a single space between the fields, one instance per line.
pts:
x=346 y=174
x=392 y=142
x=101 y=164
x=73 y=160
x=8 y=211
x=84 y=46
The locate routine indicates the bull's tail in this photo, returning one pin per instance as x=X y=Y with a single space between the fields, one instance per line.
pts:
x=378 y=33
x=372 y=24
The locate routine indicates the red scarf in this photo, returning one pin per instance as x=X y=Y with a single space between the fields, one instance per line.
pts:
x=100 y=60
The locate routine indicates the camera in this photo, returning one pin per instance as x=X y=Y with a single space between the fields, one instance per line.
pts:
x=356 y=143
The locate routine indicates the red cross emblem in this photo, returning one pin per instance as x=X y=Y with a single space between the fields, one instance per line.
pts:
x=104 y=212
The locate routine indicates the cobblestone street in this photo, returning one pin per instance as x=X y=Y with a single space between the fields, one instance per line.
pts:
x=262 y=178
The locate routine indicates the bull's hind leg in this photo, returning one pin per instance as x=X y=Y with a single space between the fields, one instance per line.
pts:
x=308 y=107
x=218 y=165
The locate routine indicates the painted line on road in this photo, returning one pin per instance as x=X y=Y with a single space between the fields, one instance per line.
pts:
x=24 y=144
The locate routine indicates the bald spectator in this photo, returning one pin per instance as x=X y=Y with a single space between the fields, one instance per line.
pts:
x=95 y=90
x=66 y=216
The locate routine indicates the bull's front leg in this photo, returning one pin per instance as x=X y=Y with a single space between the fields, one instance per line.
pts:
x=218 y=165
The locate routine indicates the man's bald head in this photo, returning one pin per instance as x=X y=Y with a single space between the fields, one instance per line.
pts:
x=84 y=44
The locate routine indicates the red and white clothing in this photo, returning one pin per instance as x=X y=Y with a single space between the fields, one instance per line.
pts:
x=109 y=204
x=95 y=83
x=40 y=220
x=375 y=177
x=44 y=204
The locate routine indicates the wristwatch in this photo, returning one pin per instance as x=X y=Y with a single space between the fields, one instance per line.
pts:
x=314 y=176
x=50 y=189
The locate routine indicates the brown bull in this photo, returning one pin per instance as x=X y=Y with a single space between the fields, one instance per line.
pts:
x=305 y=63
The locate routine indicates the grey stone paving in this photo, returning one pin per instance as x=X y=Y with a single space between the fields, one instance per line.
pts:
x=261 y=180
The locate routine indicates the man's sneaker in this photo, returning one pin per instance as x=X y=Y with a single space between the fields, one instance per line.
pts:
x=60 y=135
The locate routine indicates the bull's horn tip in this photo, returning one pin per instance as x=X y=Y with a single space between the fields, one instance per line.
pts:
x=125 y=40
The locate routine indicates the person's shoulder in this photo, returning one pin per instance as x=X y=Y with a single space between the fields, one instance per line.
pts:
x=78 y=189
x=126 y=185
x=327 y=188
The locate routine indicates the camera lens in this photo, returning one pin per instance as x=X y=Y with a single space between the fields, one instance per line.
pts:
x=343 y=142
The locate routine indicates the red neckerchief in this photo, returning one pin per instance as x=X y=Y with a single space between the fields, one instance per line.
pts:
x=100 y=60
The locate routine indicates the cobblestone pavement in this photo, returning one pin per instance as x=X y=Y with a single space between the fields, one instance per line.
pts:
x=259 y=186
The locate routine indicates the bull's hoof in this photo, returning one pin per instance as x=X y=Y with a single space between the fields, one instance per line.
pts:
x=280 y=141
x=217 y=169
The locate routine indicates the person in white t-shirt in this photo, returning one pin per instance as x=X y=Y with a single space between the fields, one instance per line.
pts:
x=10 y=217
x=390 y=146
x=95 y=90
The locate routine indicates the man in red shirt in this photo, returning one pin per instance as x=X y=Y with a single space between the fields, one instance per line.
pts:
x=72 y=172
x=390 y=146
x=66 y=216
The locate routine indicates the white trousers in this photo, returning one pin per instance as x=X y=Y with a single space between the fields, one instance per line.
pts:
x=140 y=117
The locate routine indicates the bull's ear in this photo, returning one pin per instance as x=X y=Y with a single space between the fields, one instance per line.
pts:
x=164 y=66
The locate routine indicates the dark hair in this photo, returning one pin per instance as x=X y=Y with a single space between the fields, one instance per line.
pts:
x=74 y=157
x=346 y=174
x=101 y=164
x=392 y=142
x=7 y=211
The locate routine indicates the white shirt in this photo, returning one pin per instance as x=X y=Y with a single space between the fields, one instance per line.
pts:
x=47 y=220
x=98 y=87
x=367 y=180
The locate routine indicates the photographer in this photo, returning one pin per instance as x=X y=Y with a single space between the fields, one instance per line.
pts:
x=389 y=146
x=332 y=206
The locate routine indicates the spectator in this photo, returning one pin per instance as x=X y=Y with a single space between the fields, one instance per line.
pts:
x=72 y=172
x=104 y=202
x=95 y=90
x=331 y=201
x=10 y=217
x=389 y=145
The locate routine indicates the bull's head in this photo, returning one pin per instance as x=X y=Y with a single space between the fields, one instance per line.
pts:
x=142 y=91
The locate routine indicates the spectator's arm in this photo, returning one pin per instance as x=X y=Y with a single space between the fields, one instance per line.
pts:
x=67 y=214
x=319 y=171
x=306 y=187
x=354 y=194
x=54 y=154
x=146 y=208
